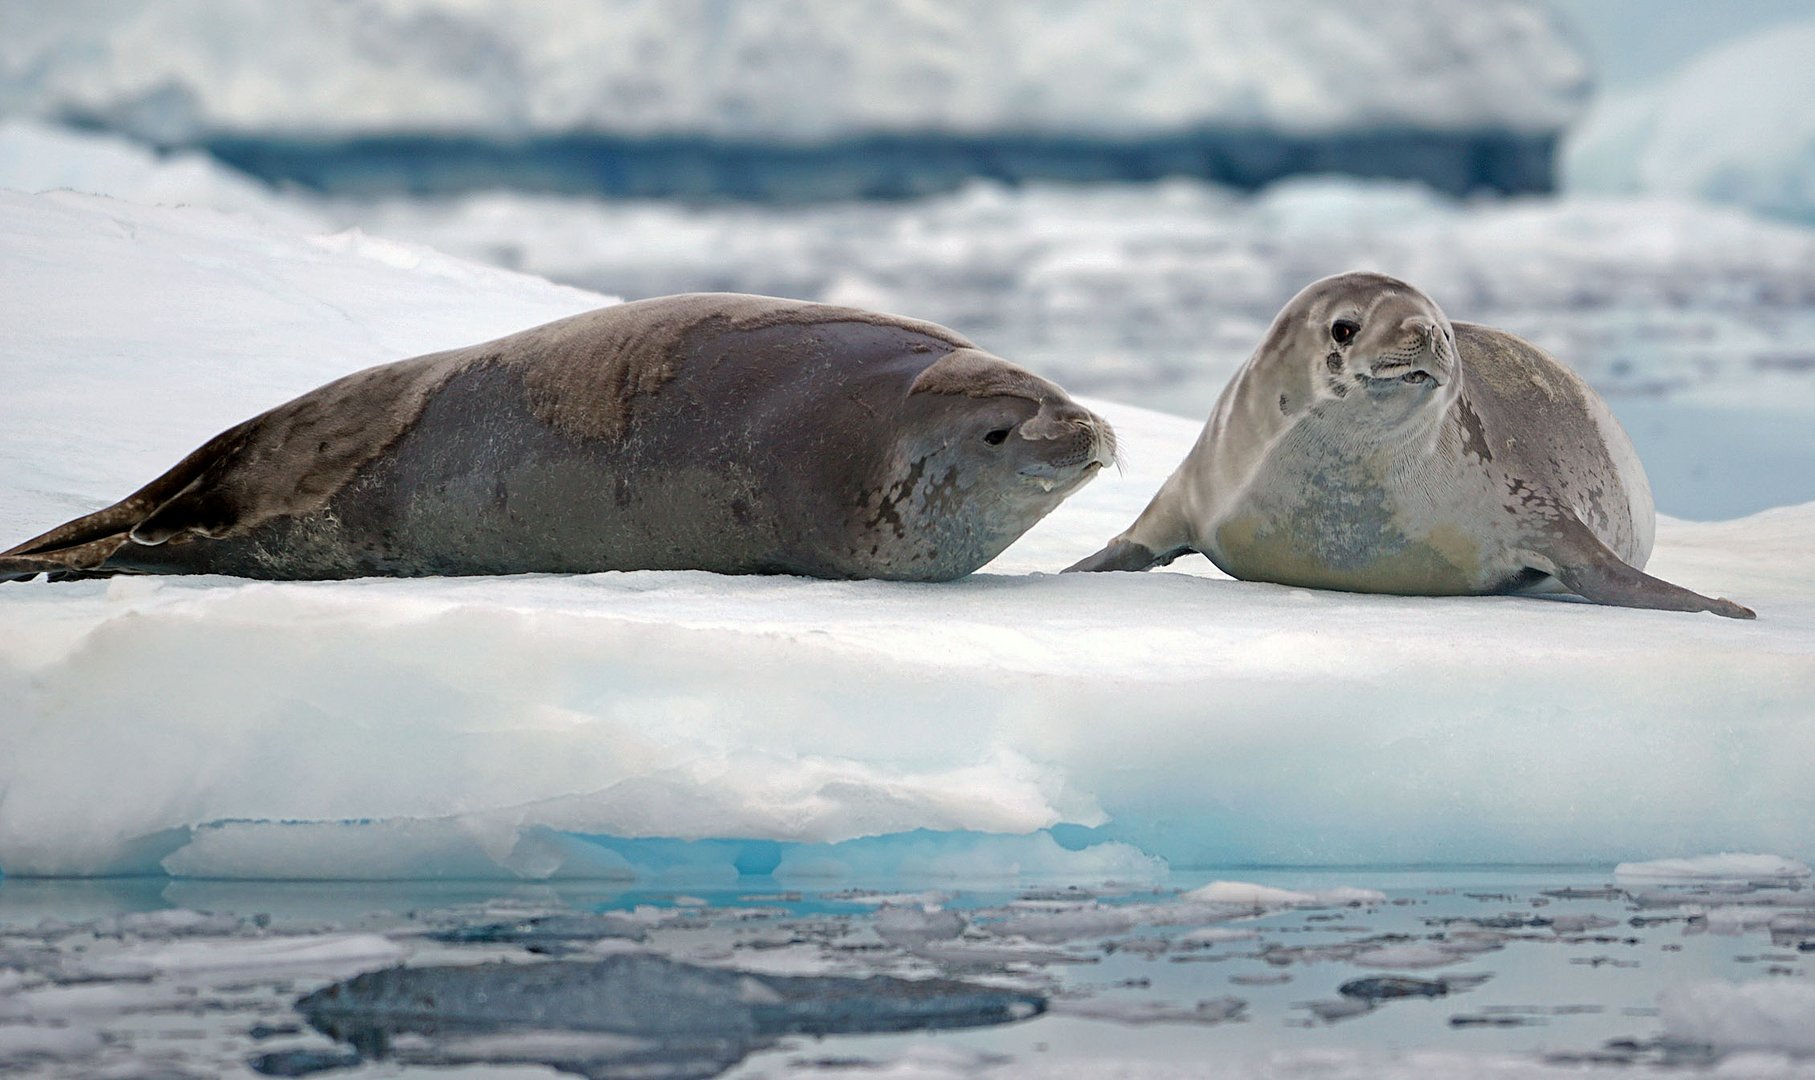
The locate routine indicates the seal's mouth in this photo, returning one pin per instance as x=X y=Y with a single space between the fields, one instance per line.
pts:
x=1424 y=364
x=1049 y=478
x=1384 y=376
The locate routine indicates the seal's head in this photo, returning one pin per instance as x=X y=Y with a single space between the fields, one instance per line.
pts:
x=984 y=450
x=1371 y=341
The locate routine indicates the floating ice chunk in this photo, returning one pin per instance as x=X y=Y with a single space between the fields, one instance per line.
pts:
x=1212 y=1011
x=92 y=999
x=583 y=1053
x=1408 y=956
x=1213 y=935
x=21 y=1044
x=1737 y=918
x=1793 y=929
x=927 y=899
x=1576 y=924
x=1089 y=921
x=1248 y=894
x=1774 y=1015
x=1727 y=866
x=324 y=954
x=1348 y=895
x=994 y=954
x=1340 y=1009
x=544 y=929
x=911 y=927
x=1148 y=947
x=172 y=923
x=1263 y=978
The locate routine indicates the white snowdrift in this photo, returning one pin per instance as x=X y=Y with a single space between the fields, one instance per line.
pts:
x=1734 y=126
x=791 y=69
x=484 y=726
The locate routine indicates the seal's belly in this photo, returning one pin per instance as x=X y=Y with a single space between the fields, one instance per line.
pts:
x=1315 y=518
x=1299 y=550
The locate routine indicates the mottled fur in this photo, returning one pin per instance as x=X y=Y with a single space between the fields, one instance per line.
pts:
x=1370 y=445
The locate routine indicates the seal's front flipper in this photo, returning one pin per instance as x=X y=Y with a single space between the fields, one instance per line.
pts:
x=1160 y=535
x=1120 y=554
x=1587 y=567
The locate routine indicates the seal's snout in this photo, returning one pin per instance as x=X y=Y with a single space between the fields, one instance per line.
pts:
x=1419 y=355
x=1067 y=438
x=1059 y=420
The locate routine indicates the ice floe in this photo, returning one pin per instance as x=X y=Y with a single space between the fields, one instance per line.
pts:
x=549 y=728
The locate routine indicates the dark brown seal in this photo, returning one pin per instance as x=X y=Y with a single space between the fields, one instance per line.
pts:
x=711 y=431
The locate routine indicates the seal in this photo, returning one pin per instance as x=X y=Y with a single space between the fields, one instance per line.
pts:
x=710 y=431
x=1371 y=445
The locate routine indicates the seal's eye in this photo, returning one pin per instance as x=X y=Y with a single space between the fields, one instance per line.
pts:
x=996 y=437
x=1344 y=330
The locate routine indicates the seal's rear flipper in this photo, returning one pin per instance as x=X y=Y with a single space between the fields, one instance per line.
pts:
x=1587 y=567
x=178 y=501
x=81 y=560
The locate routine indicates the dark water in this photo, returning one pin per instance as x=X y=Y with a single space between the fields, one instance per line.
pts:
x=885 y=167
x=1552 y=966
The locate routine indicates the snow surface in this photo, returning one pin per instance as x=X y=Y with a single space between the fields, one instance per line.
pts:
x=489 y=727
x=42 y=157
x=1735 y=125
x=179 y=70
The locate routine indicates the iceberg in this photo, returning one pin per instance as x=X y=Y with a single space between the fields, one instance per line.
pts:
x=1733 y=126
x=806 y=99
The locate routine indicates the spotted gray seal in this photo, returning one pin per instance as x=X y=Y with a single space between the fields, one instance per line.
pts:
x=712 y=431
x=1371 y=445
